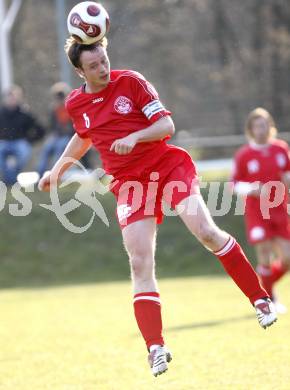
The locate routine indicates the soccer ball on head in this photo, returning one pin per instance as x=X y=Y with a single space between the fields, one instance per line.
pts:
x=88 y=22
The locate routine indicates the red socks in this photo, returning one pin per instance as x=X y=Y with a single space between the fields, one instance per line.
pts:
x=147 y=310
x=278 y=269
x=265 y=275
x=240 y=270
x=270 y=274
x=147 y=305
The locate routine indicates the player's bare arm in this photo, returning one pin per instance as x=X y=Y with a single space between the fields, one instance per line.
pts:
x=74 y=150
x=158 y=130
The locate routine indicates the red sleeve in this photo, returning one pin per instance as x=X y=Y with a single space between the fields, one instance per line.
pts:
x=239 y=172
x=285 y=159
x=146 y=98
x=81 y=131
x=286 y=168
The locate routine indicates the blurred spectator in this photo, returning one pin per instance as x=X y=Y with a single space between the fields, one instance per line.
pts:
x=60 y=126
x=18 y=130
x=61 y=130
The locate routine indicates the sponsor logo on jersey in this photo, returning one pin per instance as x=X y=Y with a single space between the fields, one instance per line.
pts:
x=253 y=166
x=123 y=105
x=98 y=100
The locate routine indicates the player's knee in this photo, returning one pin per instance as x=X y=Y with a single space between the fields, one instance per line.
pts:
x=141 y=266
x=141 y=256
x=138 y=248
x=207 y=234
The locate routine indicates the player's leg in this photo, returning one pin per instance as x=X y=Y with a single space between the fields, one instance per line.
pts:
x=22 y=151
x=264 y=254
x=3 y=157
x=260 y=235
x=281 y=266
x=7 y=169
x=59 y=147
x=277 y=232
x=197 y=218
x=45 y=155
x=139 y=239
x=186 y=198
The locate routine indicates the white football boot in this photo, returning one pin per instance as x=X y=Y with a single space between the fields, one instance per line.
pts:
x=158 y=359
x=266 y=313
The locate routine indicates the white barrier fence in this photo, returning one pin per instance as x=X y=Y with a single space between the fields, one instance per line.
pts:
x=186 y=141
x=224 y=164
x=221 y=141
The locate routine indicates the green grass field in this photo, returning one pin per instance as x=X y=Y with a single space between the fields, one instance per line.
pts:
x=36 y=250
x=85 y=338
x=67 y=321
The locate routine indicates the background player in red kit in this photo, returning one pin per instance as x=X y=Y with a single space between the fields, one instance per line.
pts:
x=120 y=114
x=265 y=160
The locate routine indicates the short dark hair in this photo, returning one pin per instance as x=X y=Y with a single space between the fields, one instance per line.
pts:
x=74 y=49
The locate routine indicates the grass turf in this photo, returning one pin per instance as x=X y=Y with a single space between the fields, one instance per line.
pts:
x=36 y=250
x=61 y=330
x=85 y=338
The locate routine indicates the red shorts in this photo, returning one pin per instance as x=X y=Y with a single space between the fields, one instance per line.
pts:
x=260 y=229
x=171 y=180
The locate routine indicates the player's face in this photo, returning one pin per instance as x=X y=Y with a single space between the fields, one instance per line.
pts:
x=260 y=130
x=95 y=67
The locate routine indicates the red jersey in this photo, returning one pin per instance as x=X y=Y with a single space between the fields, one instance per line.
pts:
x=127 y=104
x=261 y=164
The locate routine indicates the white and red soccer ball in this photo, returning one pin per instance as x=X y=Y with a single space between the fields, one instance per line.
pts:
x=88 y=22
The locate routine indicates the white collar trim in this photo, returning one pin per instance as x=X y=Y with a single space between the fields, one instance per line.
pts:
x=256 y=146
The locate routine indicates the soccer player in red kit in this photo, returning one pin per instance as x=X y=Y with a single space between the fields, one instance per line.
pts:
x=120 y=114
x=262 y=168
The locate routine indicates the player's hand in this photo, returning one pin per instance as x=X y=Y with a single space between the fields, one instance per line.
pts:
x=255 y=192
x=124 y=145
x=262 y=190
x=46 y=182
